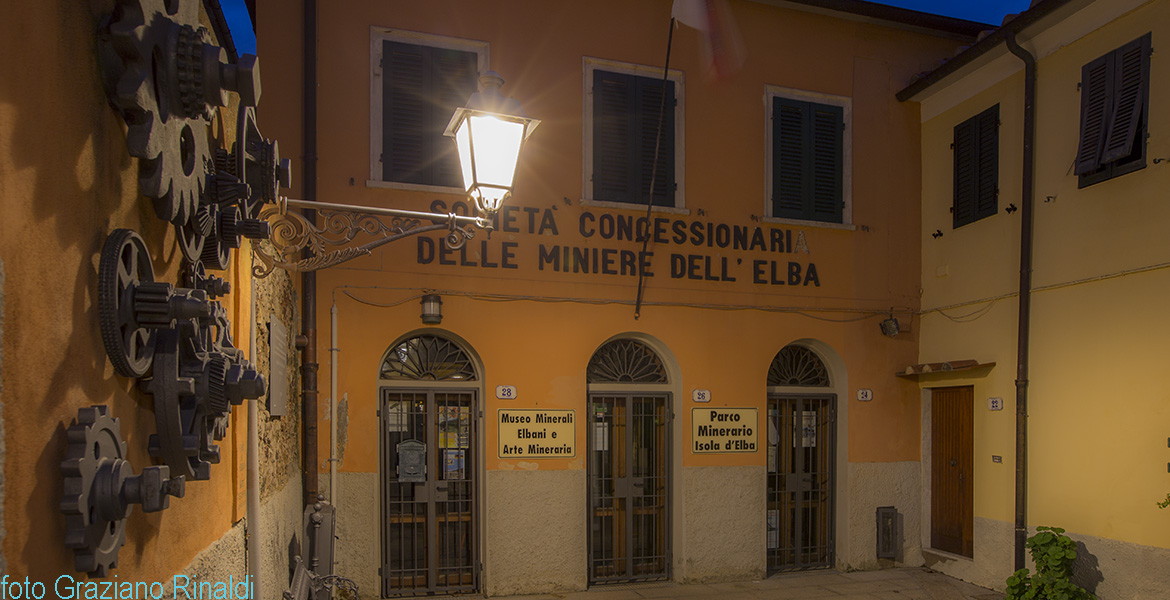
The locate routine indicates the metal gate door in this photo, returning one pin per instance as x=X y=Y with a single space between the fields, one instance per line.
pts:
x=429 y=514
x=802 y=445
x=629 y=463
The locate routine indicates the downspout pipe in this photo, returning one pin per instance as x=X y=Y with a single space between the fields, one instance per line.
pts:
x=309 y=363
x=1027 y=197
x=253 y=465
x=333 y=350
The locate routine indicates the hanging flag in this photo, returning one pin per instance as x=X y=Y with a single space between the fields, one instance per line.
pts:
x=723 y=44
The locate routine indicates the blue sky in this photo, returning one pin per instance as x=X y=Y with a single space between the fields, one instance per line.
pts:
x=983 y=11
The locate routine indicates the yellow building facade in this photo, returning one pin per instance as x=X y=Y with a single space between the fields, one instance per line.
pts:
x=677 y=455
x=1096 y=385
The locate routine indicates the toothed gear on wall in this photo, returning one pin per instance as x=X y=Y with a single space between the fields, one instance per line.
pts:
x=164 y=77
x=124 y=266
x=100 y=488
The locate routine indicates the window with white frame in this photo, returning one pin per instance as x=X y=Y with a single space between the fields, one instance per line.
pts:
x=633 y=139
x=808 y=156
x=418 y=82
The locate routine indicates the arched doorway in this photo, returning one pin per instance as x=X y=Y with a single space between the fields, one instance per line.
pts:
x=429 y=386
x=629 y=463
x=802 y=444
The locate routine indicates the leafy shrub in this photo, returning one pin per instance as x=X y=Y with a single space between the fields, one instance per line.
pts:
x=1054 y=553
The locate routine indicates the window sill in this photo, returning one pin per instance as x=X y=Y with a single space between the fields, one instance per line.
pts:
x=803 y=223
x=670 y=210
x=414 y=187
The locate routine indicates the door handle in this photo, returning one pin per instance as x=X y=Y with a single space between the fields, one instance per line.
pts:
x=440 y=488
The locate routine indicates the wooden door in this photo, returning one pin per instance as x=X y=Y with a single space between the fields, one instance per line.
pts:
x=951 y=466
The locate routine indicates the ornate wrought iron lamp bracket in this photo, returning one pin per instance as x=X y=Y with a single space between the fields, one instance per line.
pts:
x=340 y=224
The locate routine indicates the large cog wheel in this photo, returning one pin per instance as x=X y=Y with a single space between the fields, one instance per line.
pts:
x=94 y=535
x=171 y=144
x=124 y=267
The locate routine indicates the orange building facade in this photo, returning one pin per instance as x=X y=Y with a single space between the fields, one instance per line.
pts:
x=559 y=427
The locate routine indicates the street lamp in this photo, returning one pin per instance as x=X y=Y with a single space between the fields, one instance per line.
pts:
x=489 y=133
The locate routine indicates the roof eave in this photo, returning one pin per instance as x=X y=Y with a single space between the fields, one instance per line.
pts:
x=983 y=46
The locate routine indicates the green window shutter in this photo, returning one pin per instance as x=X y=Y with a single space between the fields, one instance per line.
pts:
x=966 y=184
x=791 y=162
x=1096 y=94
x=807 y=160
x=626 y=111
x=976 y=168
x=987 y=179
x=650 y=106
x=421 y=88
x=455 y=76
x=1131 y=84
x=405 y=145
x=614 y=129
x=827 y=131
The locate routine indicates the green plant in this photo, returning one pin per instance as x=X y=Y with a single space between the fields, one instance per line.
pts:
x=1054 y=553
x=1165 y=503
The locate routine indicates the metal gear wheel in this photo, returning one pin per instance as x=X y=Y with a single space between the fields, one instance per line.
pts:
x=258 y=164
x=165 y=77
x=173 y=148
x=100 y=488
x=124 y=266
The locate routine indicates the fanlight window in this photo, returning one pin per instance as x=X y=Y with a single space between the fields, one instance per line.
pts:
x=427 y=358
x=625 y=361
x=797 y=365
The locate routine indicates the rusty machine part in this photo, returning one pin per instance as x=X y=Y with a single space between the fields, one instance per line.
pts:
x=100 y=488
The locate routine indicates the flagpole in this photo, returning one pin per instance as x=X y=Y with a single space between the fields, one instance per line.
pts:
x=653 y=174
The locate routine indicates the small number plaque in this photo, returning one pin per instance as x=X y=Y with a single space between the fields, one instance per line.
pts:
x=864 y=395
x=506 y=392
x=995 y=404
x=701 y=395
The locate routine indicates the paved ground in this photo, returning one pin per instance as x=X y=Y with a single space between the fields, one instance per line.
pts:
x=889 y=584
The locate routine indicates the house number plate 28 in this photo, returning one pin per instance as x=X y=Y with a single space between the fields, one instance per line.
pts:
x=506 y=392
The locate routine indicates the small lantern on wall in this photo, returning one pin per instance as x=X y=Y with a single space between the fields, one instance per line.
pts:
x=432 y=309
x=489 y=133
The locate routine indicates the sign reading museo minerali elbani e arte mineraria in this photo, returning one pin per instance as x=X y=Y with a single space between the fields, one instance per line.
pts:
x=537 y=433
x=723 y=430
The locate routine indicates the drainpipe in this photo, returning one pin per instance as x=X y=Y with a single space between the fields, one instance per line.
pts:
x=333 y=404
x=309 y=279
x=253 y=467
x=1025 y=295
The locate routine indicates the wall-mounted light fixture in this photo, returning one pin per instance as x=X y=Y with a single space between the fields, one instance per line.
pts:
x=890 y=327
x=432 y=309
x=489 y=133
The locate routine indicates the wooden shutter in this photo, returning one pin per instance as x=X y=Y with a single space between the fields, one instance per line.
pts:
x=1096 y=88
x=1131 y=66
x=649 y=100
x=626 y=111
x=807 y=159
x=422 y=86
x=455 y=79
x=987 y=131
x=826 y=132
x=614 y=162
x=405 y=144
x=976 y=168
x=966 y=184
x=790 y=158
